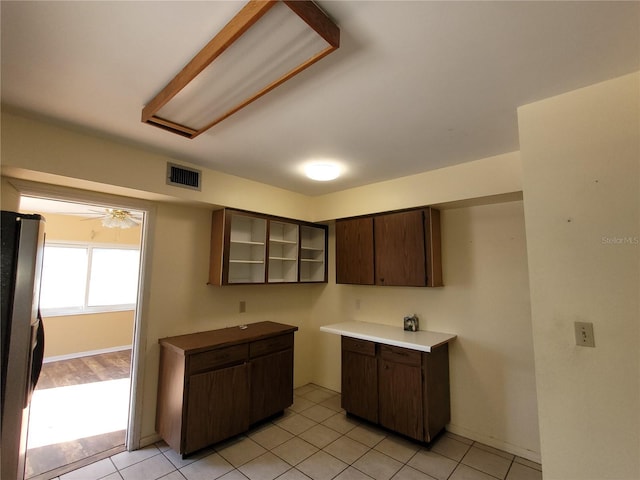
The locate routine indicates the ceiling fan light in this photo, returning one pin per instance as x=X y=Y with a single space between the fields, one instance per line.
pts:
x=118 y=219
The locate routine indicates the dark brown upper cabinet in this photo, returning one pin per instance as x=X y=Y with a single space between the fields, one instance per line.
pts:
x=393 y=249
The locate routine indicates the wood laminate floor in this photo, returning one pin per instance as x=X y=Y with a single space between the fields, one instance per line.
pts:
x=56 y=458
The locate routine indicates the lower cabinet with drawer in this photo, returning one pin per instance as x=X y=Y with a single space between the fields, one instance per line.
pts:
x=214 y=385
x=404 y=390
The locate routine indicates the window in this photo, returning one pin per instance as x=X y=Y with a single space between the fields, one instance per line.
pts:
x=84 y=278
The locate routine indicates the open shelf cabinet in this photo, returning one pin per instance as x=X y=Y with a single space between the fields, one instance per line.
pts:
x=252 y=248
x=313 y=254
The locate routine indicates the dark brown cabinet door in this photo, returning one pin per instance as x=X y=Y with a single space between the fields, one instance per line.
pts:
x=271 y=384
x=400 y=397
x=217 y=406
x=354 y=251
x=400 y=249
x=360 y=381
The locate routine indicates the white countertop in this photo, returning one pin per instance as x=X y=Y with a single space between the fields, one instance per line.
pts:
x=422 y=340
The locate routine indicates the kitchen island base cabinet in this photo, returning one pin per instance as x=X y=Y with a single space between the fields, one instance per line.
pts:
x=401 y=389
x=214 y=385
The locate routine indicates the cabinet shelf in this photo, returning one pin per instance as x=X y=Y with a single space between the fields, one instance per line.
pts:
x=311 y=260
x=282 y=242
x=254 y=262
x=244 y=242
x=284 y=259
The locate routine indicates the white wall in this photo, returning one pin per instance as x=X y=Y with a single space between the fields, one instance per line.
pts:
x=485 y=301
x=581 y=162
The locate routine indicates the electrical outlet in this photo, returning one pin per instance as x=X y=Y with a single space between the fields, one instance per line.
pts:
x=243 y=306
x=358 y=304
x=584 y=334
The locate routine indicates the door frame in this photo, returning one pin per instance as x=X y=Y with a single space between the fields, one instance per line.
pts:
x=56 y=192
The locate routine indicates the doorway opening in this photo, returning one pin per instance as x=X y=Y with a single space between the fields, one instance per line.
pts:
x=80 y=410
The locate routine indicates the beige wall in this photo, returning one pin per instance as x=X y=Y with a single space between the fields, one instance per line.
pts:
x=72 y=334
x=69 y=335
x=47 y=153
x=581 y=162
x=493 y=176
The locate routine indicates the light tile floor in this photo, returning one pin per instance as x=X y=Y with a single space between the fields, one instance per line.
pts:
x=314 y=439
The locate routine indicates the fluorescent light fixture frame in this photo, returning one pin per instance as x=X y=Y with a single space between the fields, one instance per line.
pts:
x=160 y=109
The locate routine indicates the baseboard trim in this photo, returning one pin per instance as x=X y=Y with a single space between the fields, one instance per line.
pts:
x=149 y=440
x=88 y=353
x=494 y=442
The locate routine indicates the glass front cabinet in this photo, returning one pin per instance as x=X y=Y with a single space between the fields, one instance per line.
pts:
x=252 y=248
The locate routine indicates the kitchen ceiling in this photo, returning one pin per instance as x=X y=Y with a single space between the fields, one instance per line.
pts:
x=414 y=86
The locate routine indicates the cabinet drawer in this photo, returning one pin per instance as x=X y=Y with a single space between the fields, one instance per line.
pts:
x=217 y=358
x=401 y=355
x=270 y=345
x=359 y=346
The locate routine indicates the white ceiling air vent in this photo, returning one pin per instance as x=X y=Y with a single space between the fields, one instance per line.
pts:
x=180 y=176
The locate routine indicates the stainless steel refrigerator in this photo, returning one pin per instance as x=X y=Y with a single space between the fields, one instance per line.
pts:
x=22 y=344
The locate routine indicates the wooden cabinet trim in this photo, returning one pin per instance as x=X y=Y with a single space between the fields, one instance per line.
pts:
x=400 y=355
x=202 y=341
x=270 y=345
x=217 y=358
x=364 y=347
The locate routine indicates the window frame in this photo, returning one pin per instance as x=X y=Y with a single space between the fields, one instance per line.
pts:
x=86 y=309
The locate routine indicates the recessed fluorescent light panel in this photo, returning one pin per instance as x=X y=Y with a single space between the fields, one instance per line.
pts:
x=322 y=171
x=263 y=46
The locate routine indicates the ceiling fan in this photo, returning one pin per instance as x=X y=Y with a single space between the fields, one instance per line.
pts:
x=111 y=217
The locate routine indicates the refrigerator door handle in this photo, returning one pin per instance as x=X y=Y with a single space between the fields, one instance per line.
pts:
x=38 y=357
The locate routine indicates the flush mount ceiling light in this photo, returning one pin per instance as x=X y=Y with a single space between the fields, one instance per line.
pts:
x=322 y=171
x=264 y=45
